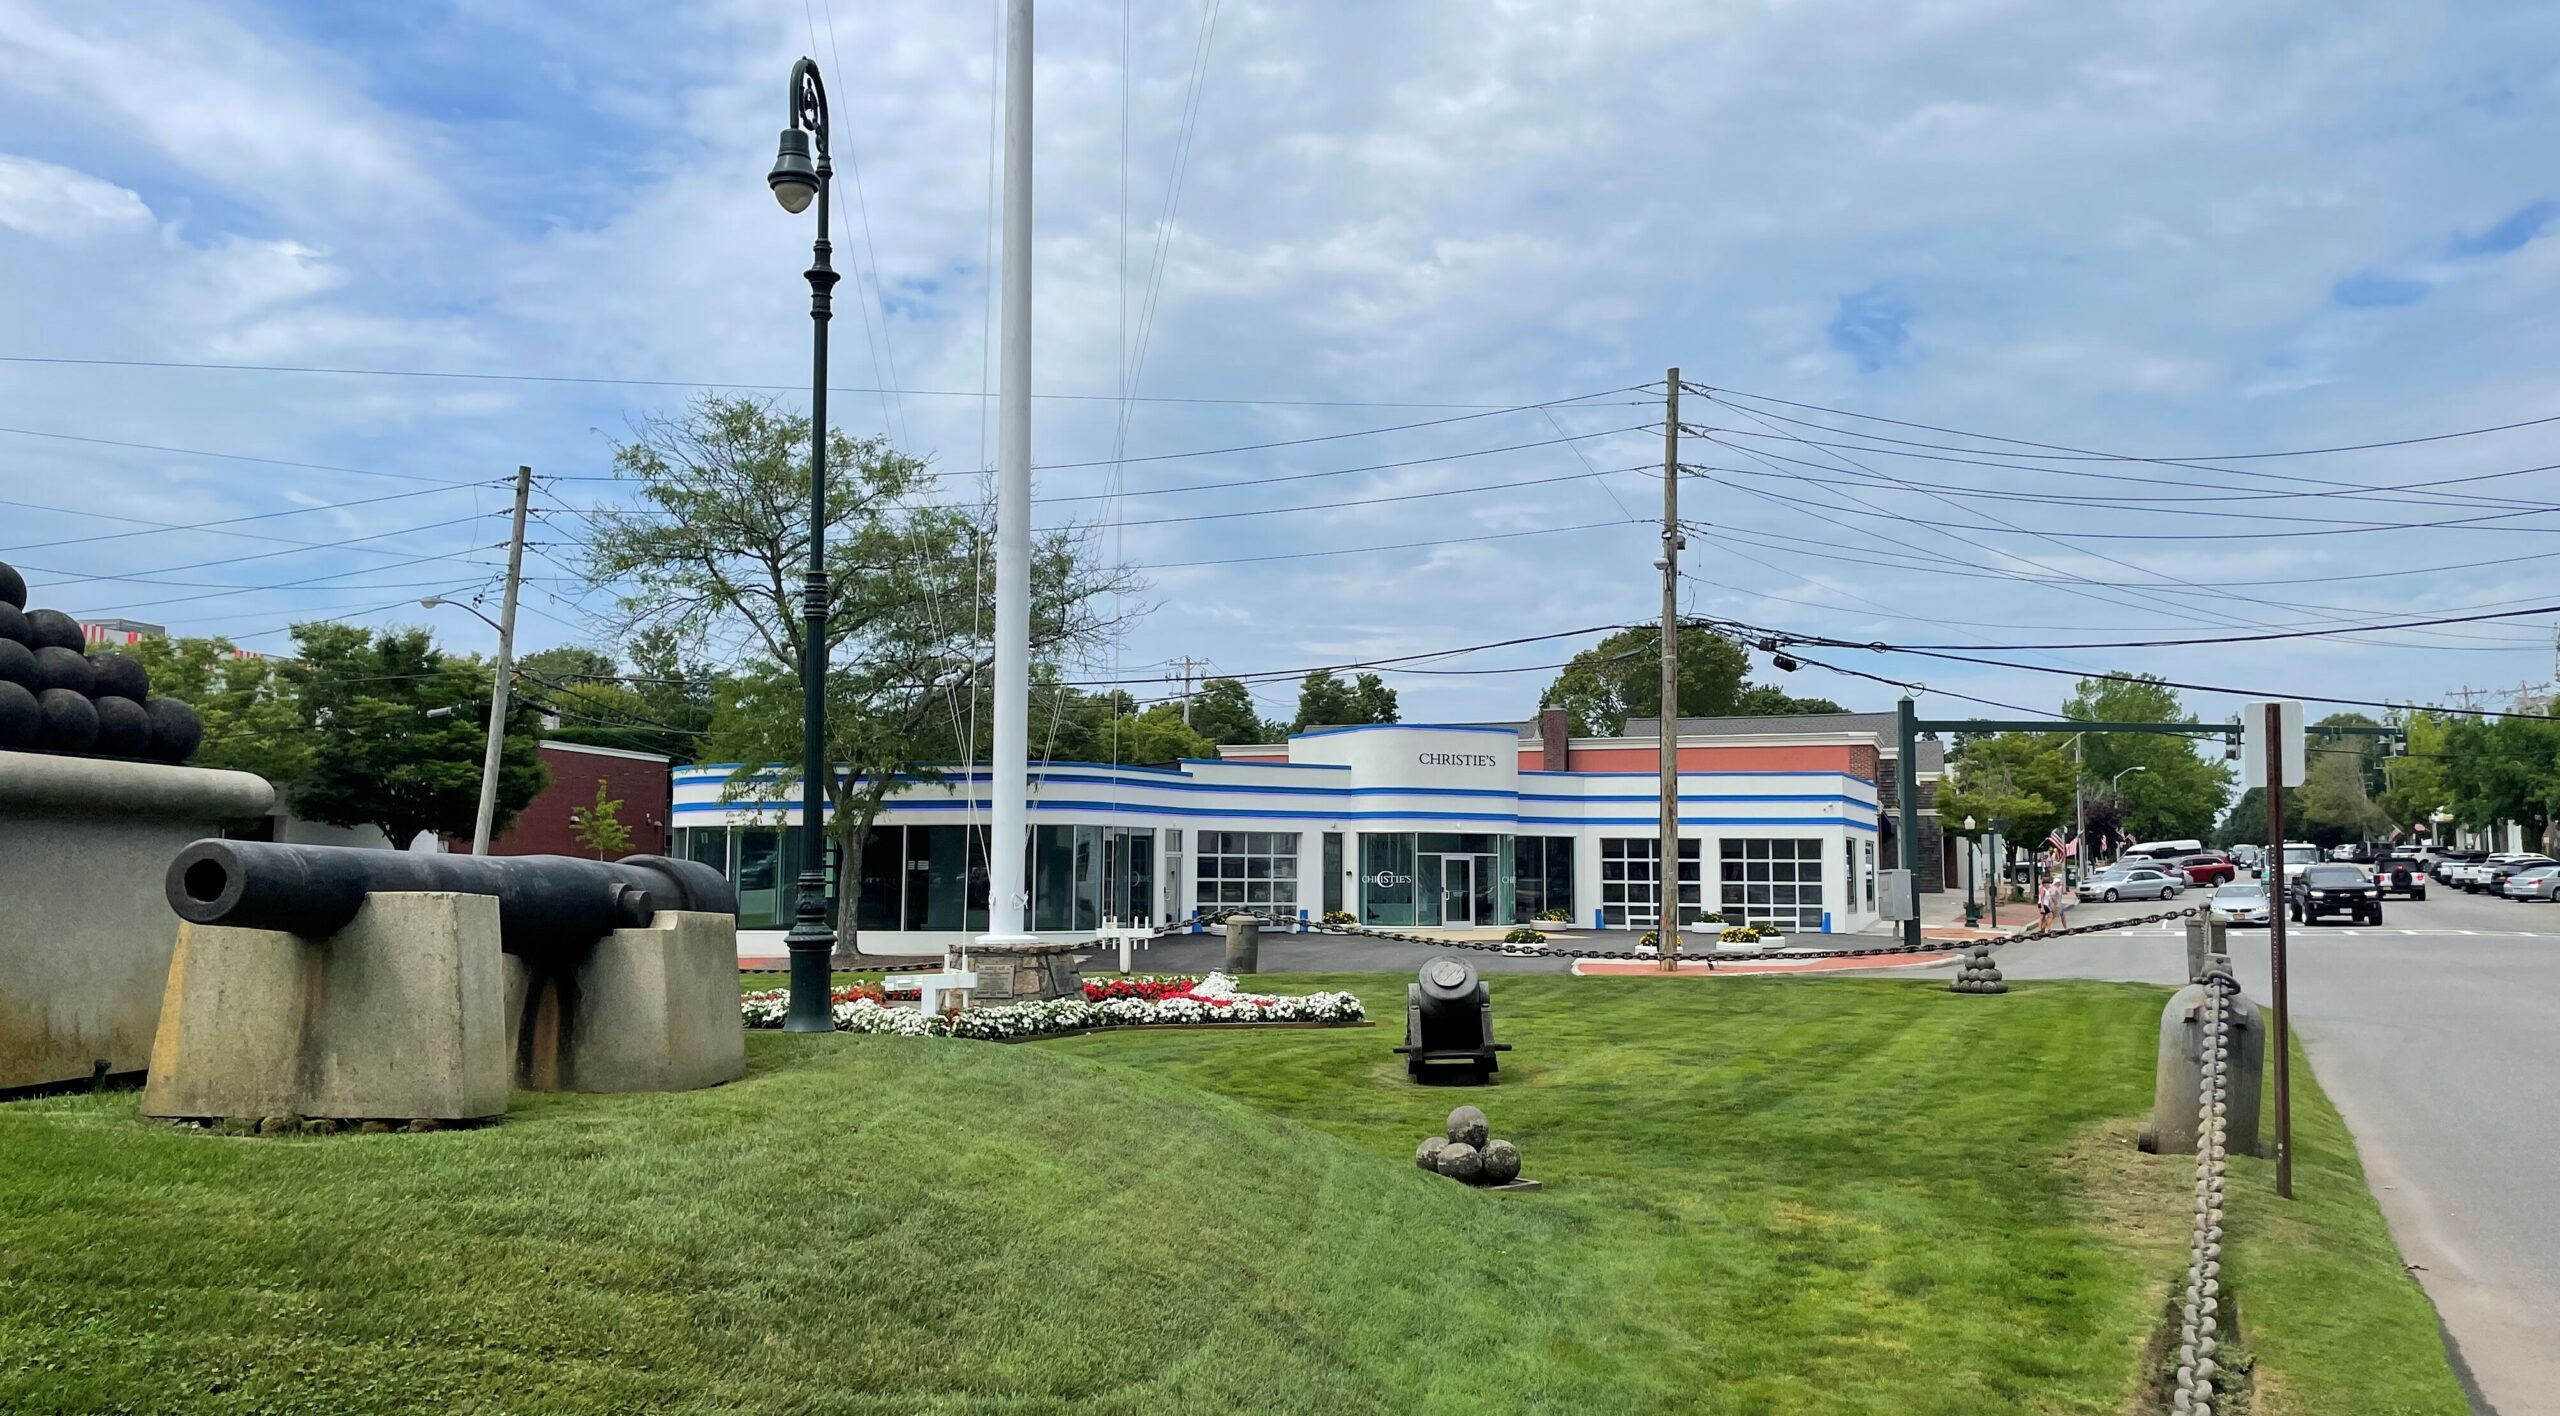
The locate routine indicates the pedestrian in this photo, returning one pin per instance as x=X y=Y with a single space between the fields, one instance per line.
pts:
x=2063 y=900
x=2044 y=903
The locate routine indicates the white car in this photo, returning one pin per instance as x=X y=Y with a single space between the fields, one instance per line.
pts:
x=2540 y=883
x=2243 y=902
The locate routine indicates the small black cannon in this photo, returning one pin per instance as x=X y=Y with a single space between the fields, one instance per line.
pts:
x=549 y=907
x=1448 y=1025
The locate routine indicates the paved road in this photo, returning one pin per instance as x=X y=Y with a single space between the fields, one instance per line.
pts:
x=2434 y=1034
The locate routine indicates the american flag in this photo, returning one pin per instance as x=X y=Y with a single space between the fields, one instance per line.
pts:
x=2062 y=845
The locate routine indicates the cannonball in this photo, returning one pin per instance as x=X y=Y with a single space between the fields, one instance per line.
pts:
x=13 y=625
x=1467 y=1124
x=19 y=716
x=54 y=628
x=1460 y=1161
x=176 y=731
x=124 y=730
x=66 y=669
x=13 y=587
x=17 y=664
x=66 y=722
x=1501 y=1162
x=1427 y=1155
x=119 y=676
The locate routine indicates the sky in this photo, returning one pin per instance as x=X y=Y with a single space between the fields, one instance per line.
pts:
x=1467 y=241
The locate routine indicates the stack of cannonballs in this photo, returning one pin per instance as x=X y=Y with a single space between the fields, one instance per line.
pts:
x=1469 y=1153
x=55 y=697
x=1979 y=974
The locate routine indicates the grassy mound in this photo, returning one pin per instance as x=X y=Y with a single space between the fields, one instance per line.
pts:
x=1766 y=1197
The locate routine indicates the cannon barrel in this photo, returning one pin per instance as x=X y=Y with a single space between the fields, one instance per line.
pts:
x=1449 y=994
x=547 y=905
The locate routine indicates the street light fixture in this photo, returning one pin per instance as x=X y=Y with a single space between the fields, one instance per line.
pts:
x=487 y=816
x=796 y=181
x=1972 y=849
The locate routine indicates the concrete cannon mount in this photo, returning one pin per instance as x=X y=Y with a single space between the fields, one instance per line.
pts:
x=85 y=937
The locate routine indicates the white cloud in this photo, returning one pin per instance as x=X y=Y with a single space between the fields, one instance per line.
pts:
x=53 y=203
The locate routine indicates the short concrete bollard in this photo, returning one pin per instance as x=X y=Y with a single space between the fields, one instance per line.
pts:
x=1244 y=944
x=2180 y=1073
x=2206 y=937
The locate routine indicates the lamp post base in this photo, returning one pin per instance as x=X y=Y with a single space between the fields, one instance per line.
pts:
x=812 y=946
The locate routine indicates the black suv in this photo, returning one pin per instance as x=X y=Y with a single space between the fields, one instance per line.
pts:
x=2333 y=890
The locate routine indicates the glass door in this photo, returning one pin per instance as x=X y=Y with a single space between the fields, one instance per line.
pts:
x=1457 y=890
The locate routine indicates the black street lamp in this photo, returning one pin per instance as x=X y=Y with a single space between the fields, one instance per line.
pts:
x=1972 y=848
x=812 y=941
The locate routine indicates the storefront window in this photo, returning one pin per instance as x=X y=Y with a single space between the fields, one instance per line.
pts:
x=705 y=845
x=879 y=878
x=1129 y=872
x=1253 y=871
x=1386 y=879
x=760 y=903
x=1630 y=867
x=1542 y=876
x=1773 y=882
x=946 y=878
x=1332 y=871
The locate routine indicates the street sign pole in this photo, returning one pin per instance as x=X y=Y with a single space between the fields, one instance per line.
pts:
x=2282 y=1034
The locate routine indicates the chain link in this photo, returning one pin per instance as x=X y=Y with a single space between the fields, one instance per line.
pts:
x=1541 y=951
x=2199 y=1343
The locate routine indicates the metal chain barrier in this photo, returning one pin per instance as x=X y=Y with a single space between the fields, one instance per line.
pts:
x=1540 y=951
x=2198 y=1340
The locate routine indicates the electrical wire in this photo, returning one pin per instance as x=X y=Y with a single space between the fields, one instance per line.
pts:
x=213 y=527
x=1394 y=546
x=73 y=578
x=1355 y=501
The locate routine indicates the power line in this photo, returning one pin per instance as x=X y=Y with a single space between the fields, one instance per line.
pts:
x=232 y=456
x=2082 y=452
x=212 y=527
x=1356 y=501
x=501 y=377
x=73 y=578
x=2217 y=640
x=1395 y=546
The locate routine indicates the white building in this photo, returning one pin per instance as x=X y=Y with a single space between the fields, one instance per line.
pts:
x=1400 y=825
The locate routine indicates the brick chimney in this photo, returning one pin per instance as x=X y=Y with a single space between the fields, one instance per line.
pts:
x=1555 y=739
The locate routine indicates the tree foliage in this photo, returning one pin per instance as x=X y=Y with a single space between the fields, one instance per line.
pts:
x=2016 y=783
x=251 y=723
x=2505 y=770
x=1621 y=678
x=662 y=704
x=598 y=827
x=2178 y=793
x=1327 y=701
x=362 y=700
x=714 y=554
x=1223 y=712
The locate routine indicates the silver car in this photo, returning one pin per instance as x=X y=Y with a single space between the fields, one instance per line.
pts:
x=2243 y=902
x=2141 y=882
x=2540 y=883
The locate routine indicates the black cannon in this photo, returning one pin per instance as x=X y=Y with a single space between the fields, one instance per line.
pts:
x=1448 y=1025
x=549 y=907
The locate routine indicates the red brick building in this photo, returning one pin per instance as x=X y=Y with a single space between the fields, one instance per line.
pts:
x=638 y=779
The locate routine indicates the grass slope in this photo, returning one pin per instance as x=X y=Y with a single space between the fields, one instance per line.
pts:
x=1767 y=1197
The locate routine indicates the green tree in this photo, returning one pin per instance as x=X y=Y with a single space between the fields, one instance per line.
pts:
x=1327 y=701
x=377 y=758
x=663 y=705
x=1621 y=678
x=2334 y=803
x=1760 y=700
x=2177 y=794
x=2415 y=781
x=2022 y=781
x=2508 y=770
x=250 y=721
x=1223 y=712
x=599 y=827
x=714 y=553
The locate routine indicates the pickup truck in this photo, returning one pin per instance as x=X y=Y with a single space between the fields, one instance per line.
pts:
x=2333 y=889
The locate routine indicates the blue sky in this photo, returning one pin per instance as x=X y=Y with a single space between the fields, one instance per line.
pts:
x=2162 y=230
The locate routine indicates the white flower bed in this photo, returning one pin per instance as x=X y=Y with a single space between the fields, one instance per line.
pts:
x=1213 y=1000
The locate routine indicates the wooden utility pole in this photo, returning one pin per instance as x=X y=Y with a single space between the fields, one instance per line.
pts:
x=1667 y=887
x=2279 y=1038
x=1187 y=671
x=488 y=813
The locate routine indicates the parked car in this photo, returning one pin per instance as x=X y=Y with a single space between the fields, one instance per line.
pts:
x=2494 y=878
x=2401 y=874
x=2207 y=868
x=2332 y=889
x=2490 y=871
x=2297 y=854
x=2243 y=902
x=2542 y=882
x=2124 y=881
x=2246 y=856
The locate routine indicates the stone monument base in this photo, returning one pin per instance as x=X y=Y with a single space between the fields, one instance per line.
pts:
x=1026 y=973
x=397 y=1015
x=652 y=1009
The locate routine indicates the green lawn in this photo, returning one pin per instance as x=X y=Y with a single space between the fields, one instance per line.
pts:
x=1766 y=1196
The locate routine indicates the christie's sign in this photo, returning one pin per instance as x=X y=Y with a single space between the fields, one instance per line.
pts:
x=1457 y=759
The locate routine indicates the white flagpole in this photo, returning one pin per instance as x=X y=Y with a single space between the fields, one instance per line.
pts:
x=1011 y=764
